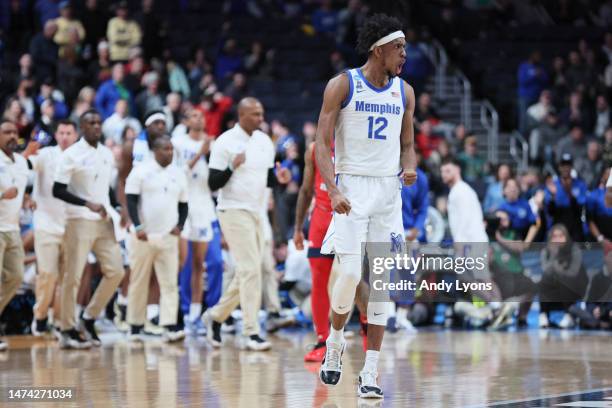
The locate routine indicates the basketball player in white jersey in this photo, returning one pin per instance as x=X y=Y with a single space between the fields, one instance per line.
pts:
x=190 y=153
x=369 y=110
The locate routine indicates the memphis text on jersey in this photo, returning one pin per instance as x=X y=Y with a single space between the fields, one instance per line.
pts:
x=382 y=108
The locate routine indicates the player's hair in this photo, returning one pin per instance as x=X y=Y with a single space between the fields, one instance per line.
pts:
x=88 y=112
x=375 y=28
x=65 y=122
x=5 y=120
x=450 y=160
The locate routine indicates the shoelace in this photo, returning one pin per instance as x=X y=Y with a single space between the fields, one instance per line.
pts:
x=368 y=379
x=332 y=357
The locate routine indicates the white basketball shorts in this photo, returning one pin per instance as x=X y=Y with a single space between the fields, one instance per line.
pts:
x=375 y=216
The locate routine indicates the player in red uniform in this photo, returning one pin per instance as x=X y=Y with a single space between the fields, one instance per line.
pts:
x=320 y=264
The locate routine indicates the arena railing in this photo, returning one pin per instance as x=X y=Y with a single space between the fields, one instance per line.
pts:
x=489 y=119
x=519 y=150
x=464 y=88
x=439 y=59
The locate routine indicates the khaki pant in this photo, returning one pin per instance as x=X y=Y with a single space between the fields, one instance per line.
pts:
x=48 y=248
x=11 y=264
x=81 y=237
x=161 y=254
x=270 y=283
x=244 y=235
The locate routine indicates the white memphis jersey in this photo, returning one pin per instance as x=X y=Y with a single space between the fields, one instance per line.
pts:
x=369 y=126
x=201 y=205
x=141 y=151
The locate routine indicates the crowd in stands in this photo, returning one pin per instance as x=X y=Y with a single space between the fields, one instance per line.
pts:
x=58 y=60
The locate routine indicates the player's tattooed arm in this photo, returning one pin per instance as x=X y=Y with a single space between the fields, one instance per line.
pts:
x=336 y=91
x=304 y=198
x=408 y=156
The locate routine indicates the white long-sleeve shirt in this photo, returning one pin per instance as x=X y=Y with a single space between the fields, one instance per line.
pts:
x=465 y=215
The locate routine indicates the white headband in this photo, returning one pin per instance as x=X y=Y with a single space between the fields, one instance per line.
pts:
x=387 y=39
x=154 y=117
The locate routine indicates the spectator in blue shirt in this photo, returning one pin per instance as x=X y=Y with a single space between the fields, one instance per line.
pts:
x=599 y=216
x=48 y=91
x=111 y=91
x=325 y=19
x=417 y=67
x=519 y=211
x=565 y=198
x=415 y=202
x=532 y=79
x=495 y=195
x=229 y=61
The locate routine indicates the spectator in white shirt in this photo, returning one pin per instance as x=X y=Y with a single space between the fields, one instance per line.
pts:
x=49 y=222
x=113 y=126
x=83 y=180
x=157 y=202
x=467 y=228
x=538 y=111
x=13 y=182
x=464 y=212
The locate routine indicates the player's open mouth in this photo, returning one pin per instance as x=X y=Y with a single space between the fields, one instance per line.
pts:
x=399 y=67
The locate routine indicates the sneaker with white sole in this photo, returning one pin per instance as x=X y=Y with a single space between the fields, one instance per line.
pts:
x=195 y=328
x=277 y=321
x=3 y=345
x=567 y=322
x=213 y=330
x=90 y=331
x=543 y=321
x=136 y=334
x=367 y=385
x=173 y=336
x=152 y=329
x=331 y=367
x=406 y=325
x=255 y=343
x=72 y=339
x=229 y=325
x=57 y=333
x=39 y=327
x=504 y=318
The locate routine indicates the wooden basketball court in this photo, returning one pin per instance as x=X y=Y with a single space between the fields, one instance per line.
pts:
x=437 y=368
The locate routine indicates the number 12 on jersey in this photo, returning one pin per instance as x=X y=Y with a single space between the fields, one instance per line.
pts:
x=380 y=123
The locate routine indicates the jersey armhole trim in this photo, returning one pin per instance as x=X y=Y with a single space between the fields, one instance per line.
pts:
x=350 y=94
x=403 y=93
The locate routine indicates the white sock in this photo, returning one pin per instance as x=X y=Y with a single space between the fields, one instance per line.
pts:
x=402 y=314
x=86 y=316
x=152 y=311
x=122 y=300
x=336 y=336
x=371 y=361
x=391 y=310
x=195 y=310
x=77 y=312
